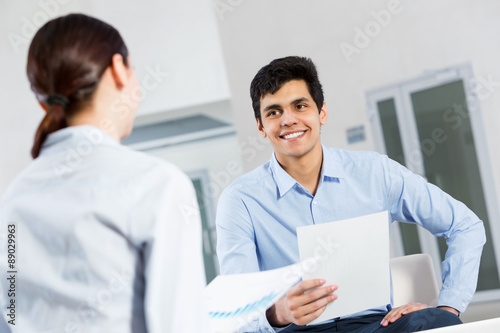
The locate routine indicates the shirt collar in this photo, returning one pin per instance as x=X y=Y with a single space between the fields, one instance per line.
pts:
x=76 y=136
x=283 y=180
x=332 y=166
x=330 y=169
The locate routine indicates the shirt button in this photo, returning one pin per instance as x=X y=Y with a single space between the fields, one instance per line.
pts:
x=315 y=203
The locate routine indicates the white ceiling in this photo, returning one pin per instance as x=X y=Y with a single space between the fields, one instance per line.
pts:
x=176 y=38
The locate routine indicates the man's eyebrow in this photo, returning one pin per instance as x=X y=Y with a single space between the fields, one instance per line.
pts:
x=294 y=102
x=300 y=100
x=272 y=106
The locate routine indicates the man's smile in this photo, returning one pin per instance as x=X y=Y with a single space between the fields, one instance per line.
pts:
x=292 y=135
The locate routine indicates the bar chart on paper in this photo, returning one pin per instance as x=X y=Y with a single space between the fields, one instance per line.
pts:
x=234 y=301
x=260 y=305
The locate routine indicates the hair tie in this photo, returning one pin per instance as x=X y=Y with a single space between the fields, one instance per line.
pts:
x=58 y=99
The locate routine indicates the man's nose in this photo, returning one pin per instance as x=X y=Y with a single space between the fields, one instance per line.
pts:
x=288 y=118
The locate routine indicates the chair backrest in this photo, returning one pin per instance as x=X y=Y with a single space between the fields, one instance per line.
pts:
x=414 y=280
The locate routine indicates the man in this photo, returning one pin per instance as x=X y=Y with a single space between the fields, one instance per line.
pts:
x=306 y=183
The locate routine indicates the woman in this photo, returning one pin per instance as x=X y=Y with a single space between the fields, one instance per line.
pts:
x=107 y=239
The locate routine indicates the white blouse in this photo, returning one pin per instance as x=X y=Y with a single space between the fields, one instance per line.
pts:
x=106 y=239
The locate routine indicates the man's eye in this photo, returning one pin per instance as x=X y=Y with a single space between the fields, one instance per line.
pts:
x=301 y=106
x=272 y=113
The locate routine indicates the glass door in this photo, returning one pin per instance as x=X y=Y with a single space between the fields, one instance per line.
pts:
x=432 y=125
x=450 y=160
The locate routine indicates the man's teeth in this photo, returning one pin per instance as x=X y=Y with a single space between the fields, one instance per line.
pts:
x=293 y=135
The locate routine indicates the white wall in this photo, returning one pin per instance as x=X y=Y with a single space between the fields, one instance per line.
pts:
x=421 y=35
x=175 y=37
x=219 y=157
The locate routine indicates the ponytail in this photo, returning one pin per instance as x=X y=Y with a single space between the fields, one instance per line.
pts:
x=69 y=55
x=53 y=121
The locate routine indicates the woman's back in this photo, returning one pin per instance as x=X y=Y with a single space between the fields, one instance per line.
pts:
x=106 y=239
x=93 y=237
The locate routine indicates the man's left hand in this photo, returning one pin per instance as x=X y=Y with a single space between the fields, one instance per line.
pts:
x=398 y=312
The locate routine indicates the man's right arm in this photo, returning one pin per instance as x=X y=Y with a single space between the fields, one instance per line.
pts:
x=236 y=250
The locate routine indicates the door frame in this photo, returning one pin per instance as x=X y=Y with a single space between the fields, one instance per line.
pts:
x=401 y=93
x=208 y=234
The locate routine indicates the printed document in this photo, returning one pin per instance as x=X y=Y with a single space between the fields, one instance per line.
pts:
x=354 y=255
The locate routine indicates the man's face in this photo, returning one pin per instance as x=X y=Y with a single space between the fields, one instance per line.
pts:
x=291 y=121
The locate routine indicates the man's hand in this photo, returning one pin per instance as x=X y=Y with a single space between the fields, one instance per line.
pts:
x=299 y=306
x=398 y=312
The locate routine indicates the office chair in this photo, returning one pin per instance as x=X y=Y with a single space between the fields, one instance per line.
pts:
x=414 y=280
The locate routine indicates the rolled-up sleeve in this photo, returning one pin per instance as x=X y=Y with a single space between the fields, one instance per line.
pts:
x=412 y=199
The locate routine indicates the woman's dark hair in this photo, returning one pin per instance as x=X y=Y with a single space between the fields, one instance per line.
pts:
x=272 y=77
x=66 y=60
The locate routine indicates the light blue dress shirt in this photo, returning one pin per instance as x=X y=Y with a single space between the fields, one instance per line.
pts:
x=258 y=214
x=108 y=240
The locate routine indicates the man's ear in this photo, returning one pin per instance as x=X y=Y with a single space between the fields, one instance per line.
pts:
x=119 y=70
x=261 y=129
x=323 y=114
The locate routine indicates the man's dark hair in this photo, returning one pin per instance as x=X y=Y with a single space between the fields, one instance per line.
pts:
x=272 y=77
